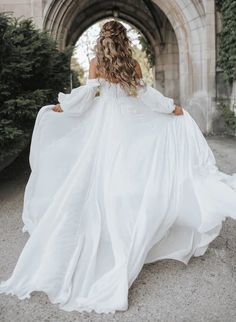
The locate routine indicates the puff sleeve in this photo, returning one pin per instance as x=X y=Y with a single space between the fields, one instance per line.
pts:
x=155 y=99
x=80 y=98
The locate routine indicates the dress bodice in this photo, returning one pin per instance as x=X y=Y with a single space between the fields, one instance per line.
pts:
x=113 y=90
x=82 y=97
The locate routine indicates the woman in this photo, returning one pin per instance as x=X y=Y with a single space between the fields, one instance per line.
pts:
x=118 y=180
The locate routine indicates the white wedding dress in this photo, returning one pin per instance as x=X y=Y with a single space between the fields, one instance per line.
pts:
x=117 y=181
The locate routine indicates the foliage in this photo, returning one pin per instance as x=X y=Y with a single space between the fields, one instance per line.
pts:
x=141 y=57
x=229 y=117
x=77 y=72
x=227 y=46
x=146 y=47
x=32 y=72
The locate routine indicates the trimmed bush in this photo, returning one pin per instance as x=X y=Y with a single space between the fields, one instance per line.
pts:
x=32 y=72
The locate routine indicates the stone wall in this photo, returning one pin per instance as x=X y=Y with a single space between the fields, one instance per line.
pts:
x=183 y=37
x=26 y=8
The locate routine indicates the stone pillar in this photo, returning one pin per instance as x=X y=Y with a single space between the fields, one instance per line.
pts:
x=25 y=8
x=167 y=65
x=233 y=97
x=192 y=21
x=194 y=26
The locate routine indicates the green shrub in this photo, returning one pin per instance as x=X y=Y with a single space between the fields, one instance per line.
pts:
x=32 y=72
x=146 y=47
x=229 y=118
x=227 y=39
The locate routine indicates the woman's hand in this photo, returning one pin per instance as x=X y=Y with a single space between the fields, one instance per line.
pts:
x=57 y=108
x=178 y=110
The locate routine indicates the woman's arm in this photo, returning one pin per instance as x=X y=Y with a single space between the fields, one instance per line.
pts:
x=138 y=70
x=81 y=97
x=177 y=110
x=92 y=75
x=93 y=68
x=57 y=108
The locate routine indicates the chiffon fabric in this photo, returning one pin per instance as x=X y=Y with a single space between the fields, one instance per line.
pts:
x=117 y=181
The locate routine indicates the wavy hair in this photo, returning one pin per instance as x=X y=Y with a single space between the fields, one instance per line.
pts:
x=114 y=56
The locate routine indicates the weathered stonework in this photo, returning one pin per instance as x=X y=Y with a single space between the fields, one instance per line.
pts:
x=183 y=38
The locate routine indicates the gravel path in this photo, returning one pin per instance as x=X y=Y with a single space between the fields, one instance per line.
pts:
x=165 y=291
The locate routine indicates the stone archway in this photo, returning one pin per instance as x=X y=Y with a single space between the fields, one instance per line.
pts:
x=183 y=36
x=194 y=24
x=67 y=20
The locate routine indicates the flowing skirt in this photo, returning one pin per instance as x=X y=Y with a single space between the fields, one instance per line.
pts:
x=110 y=190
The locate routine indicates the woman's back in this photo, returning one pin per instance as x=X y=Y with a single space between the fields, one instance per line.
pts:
x=95 y=73
x=114 y=57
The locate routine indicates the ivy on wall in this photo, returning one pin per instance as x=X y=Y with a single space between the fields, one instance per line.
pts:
x=146 y=47
x=227 y=45
x=229 y=118
x=227 y=53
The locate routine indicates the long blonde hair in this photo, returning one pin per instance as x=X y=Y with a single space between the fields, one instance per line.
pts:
x=114 y=56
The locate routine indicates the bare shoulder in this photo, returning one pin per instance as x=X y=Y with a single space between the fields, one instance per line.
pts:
x=93 y=61
x=138 y=69
x=93 y=68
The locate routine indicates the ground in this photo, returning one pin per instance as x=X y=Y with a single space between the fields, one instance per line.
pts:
x=165 y=291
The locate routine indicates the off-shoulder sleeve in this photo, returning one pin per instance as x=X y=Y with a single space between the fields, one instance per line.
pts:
x=155 y=99
x=80 y=98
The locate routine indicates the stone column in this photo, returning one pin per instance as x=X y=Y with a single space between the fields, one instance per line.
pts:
x=25 y=8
